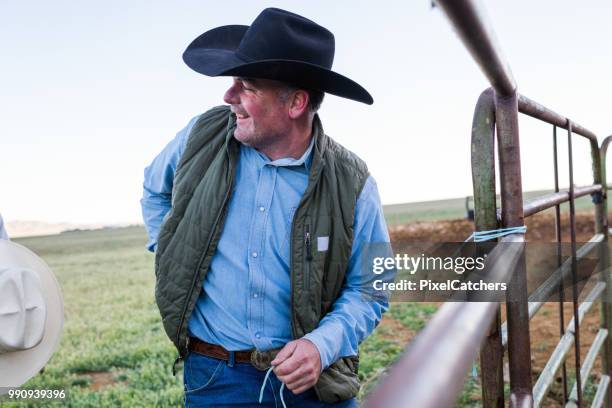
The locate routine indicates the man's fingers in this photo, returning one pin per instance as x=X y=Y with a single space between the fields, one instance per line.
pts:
x=302 y=372
x=302 y=389
x=300 y=385
x=292 y=376
x=298 y=381
x=287 y=367
x=284 y=353
x=301 y=366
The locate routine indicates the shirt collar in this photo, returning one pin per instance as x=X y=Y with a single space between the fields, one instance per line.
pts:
x=305 y=159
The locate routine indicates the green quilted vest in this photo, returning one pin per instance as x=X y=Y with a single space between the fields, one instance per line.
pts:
x=189 y=236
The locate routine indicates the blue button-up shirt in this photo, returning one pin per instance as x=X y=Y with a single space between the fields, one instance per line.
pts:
x=245 y=301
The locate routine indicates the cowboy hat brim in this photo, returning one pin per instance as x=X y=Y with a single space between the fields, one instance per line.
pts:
x=17 y=367
x=214 y=54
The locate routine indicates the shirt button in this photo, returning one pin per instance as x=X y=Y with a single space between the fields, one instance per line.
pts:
x=257 y=335
x=254 y=295
x=262 y=209
x=254 y=254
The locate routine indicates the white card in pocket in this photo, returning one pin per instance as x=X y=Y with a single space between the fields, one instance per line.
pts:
x=322 y=244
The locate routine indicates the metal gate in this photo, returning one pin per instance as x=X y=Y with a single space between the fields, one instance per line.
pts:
x=432 y=372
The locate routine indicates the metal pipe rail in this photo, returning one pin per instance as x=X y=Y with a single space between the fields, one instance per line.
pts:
x=545 y=202
x=478 y=37
x=453 y=335
x=537 y=111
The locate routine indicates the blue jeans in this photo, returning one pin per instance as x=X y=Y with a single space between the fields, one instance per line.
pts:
x=216 y=383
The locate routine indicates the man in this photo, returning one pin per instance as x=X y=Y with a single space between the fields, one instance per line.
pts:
x=258 y=259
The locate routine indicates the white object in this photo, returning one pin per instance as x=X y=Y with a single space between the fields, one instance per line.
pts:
x=322 y=244
x=23 y=309
x=31 y=314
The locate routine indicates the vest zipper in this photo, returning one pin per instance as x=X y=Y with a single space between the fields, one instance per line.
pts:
x=195 y=275
x=179 y=358
x=312 y=181
x=308 y=257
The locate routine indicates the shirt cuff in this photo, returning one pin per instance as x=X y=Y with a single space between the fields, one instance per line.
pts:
x=317 y=338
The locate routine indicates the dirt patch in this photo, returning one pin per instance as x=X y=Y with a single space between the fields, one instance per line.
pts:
x=540 y=228
x=99 y=380
x=396 y=332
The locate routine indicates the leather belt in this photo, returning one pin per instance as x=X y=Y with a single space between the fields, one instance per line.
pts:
x=259 y=359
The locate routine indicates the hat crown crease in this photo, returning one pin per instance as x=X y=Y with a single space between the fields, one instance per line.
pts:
x=22 y=310
x=276 y=35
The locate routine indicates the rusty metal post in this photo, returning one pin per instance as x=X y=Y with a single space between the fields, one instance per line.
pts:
x=559 y=260
x=519 y=346
x=575 y=304
x=599 y=199
x=485 y=218
x=606 y=305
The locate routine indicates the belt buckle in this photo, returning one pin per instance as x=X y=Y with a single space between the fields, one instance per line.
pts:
x=261 y=359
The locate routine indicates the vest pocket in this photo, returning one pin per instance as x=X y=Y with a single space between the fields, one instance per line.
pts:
x=339 y=382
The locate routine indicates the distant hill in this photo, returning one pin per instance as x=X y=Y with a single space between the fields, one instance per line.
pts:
x=17 y=229
x=454 y=208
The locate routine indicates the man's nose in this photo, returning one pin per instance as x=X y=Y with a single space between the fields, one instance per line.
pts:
x=231 y=95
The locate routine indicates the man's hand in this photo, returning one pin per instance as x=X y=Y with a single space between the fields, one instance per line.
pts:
x=298 y=365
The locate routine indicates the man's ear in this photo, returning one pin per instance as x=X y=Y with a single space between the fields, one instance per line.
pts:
x=298 y=103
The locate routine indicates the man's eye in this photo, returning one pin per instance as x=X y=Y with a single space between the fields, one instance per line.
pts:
x=247 y=86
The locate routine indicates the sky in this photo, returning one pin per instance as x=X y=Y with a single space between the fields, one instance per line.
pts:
x=91 y=91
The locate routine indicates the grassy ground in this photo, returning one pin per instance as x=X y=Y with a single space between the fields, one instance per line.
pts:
x=114 y=352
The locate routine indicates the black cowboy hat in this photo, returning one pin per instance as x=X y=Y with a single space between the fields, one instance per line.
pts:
x=278 y=45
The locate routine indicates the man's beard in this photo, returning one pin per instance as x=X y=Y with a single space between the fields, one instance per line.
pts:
x=259 y=141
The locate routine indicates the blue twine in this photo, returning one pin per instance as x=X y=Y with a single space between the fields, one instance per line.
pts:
x=263 y=387
x=481 y=236
x=280 y=392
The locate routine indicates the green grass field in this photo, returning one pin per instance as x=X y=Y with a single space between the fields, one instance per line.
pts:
x=112 y=331
x=114 y=351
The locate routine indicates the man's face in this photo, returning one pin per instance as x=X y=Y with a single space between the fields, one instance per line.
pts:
x=261 y=110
